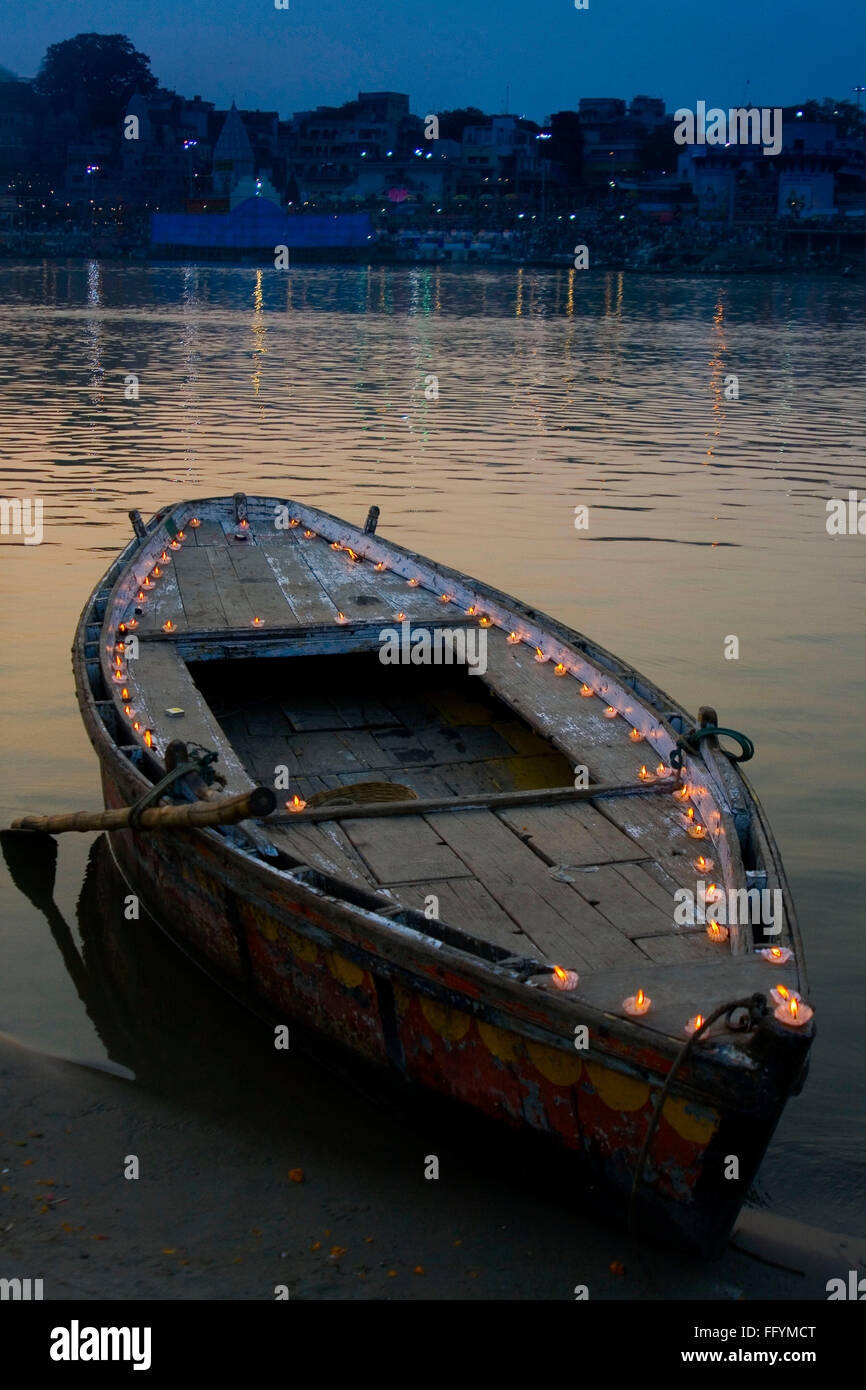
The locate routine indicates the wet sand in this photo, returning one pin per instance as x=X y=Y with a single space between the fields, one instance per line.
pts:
x=215 y=1214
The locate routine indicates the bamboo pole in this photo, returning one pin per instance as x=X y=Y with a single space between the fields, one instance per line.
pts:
x=494 y=801
x=188 y=815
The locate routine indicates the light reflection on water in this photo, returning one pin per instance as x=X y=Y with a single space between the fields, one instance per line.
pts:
x=556 y=389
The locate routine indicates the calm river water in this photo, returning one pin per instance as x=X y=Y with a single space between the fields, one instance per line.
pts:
x=707 y=519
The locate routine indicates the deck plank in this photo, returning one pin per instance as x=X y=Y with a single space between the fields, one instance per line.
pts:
x=300 y=587
x=558 y=920
x=405 y=850
x=201 y=602
x=576 y=834
x=466 y=904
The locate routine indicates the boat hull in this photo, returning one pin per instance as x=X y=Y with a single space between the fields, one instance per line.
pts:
x=289 y=955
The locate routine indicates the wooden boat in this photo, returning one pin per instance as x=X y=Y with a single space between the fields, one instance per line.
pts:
x=467 y=882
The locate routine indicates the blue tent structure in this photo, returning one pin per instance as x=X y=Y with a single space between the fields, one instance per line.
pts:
x=259 y=225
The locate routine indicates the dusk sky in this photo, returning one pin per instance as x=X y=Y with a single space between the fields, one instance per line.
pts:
x=447 y=53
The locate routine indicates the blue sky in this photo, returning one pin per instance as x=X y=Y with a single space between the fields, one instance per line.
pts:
x=447 y=53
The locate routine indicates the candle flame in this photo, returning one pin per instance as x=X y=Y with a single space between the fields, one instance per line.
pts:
x=414 y=583
x=711 y=892
x=165 y=557
x=690 y=813
x=308 y=535
x=296 y=804
x=560 y=669
x=635 y=735
x=127 y=709
x=586 y=690
x=351 y=552
x=697 y=1021
x=513 y=637
x=175 y=545
x=341 y=617
x=136 y=725
x=168 y=626
x=148 y=738
x=335 y=545
x=560 y=973
x=124 y=694
x=639 y=998
x=610 y=712
x=776 y=952
x=793 y=1007
x=295 y=521
x=380 y=565
x=194 y=521
x=661 y=770
x=398 y=617
x=484 y=621
x=182 y=537
x=156 y=571
x=257 y=622
x=470 y=611
x=783 y=993
x=244 y=525
x=445 y=598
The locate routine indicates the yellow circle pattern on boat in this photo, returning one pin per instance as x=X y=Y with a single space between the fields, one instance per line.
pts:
x=557 y=1066
x=694 y=1122
x=450 y=1024
x=346 y=971
x=302 y=948
x=617 y=1090
x=502 y=1044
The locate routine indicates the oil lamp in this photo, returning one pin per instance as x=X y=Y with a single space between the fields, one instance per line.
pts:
x=776 y=955
x=136 y=725
x=258 y=622
x=697 y=832
x=716 y=932
x=156 y=572
x=175 y=545
x=484 y=621
x=168 y=626
x=610 y=712
x=704 y=865
x=694 y=1024
x=148 y=737
x=470 y=611
x=794 y=1013
x=445 y=598
x=414 y=583
x=148 y=583
x=308 y=535
x=513 y=638
x=539 y=655
x=636 y=736
x=124 y=694
x=586 y=690
x=294 y=521
x=780 y=994
x=133 y=622
x=682 y=793
x=560 y=669
x=165 y=558
x=128 y=711
x=645 y=775
x=380 y=565
x=182 y=537
x=335 y=545
x=637 y=1004
x=244 y=527
x=398 y=617
x=296 y=804
x=564 y=979
x=194 y=521
x=341 y=618
x=662 y=771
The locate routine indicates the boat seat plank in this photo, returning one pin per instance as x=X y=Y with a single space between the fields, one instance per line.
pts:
x=201 y=603
x=404 y=850
x=561 y=923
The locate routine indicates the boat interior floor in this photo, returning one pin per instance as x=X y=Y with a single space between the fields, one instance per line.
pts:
x=587 y=883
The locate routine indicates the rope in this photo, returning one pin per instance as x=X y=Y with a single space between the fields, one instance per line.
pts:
x=688 y=743
x=757 y=1005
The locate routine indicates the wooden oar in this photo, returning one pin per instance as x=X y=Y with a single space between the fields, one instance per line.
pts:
x=190 y=814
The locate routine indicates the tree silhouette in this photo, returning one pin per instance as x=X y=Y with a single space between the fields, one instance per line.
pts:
x=105 y=68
